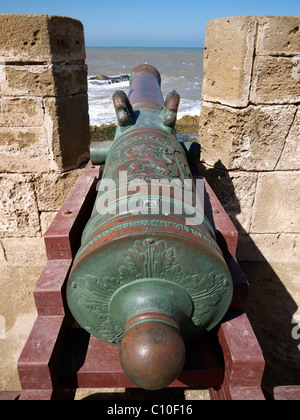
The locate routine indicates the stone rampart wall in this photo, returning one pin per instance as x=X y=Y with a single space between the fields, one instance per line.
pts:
x=44 y=139
x=250 y=130
x=44 y=127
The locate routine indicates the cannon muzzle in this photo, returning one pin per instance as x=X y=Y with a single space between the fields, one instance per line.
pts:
x=149 y=275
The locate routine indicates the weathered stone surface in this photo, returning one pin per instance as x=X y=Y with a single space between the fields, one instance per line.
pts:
x=261 y=138
x=66 y=39
x=236 y=192
x=20 y=139
x=277 y=203
x=47 y=218
x=40 y=38
x=67 y=123
x=44 y=123
x=278 y=35
x=11 y=163
x=290 y=158
x=228 y=58
x=244 y=139
x=21 y=112
x=273 y=308
x=276 y=80
x=24 y=37
x=25 y=150
x=57 y=140
x=52 y=189
x=269 y=247
x=3 y=259
x=25 y=252
x=43 y=80
x=19 y=215
x=18 y=308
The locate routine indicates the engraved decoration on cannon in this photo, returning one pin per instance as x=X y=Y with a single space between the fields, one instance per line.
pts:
x=144 y=279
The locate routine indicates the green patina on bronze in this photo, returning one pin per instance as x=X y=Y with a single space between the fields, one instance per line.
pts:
x=144 y=263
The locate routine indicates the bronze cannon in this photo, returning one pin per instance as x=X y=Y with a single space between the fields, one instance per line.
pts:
x=149 y=275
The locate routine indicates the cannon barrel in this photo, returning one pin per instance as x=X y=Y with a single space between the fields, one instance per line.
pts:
x=149 y=275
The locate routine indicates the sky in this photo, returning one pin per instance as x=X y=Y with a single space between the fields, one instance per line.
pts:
x=149 y=23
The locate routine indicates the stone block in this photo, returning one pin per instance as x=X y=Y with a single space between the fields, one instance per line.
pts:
x=278 y=36
x=61 y=79
x=244 y=139
x=53 y=132
x=276 y=80
x=16 y=164
x=25 y=150
x=290 y=157
x=277 y=203
x=236 y=193
x=67 y=120
x=20 y=139
x=52 y=189
x=271 y=247
x=228 y=58
x=21 y=112
x=25 y=251
x=19 y=215
x=41 y=38
x=66 y=39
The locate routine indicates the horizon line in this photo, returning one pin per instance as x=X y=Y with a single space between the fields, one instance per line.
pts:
x=145 y=47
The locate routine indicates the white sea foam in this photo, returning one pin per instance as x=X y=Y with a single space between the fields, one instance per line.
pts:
x=186 y=79
x=100 y=94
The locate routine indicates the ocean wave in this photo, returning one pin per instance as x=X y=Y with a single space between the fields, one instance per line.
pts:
x=100 y=92
x=103 y=112
x=102 y=115
x=191 y=108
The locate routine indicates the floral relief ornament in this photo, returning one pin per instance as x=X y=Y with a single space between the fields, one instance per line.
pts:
x=150 y=259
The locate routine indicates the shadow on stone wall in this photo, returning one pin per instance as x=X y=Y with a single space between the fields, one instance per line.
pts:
x=69 y=107
x=270 y=307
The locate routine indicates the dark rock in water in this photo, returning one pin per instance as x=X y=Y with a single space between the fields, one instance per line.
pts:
x=124 y=77
x=102 y=77
x=119 y=79
x=111 y=79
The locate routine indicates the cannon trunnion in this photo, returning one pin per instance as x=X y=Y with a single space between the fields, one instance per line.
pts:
x=149 y=274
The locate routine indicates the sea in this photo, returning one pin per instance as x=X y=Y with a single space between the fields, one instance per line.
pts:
x=181 y=69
